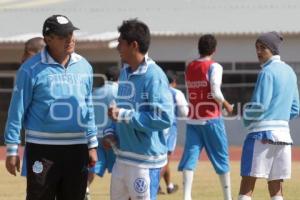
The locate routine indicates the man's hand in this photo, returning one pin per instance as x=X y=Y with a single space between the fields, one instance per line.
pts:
x=92 y=157
x=107 y=141
x=228 y=107
x=12 y=164
x=113 y=112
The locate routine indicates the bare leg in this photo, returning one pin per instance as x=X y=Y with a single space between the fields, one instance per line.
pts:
x=275 y=188
x=162 y=174
x=167 y=173
x=247 y=185
x=91 y=177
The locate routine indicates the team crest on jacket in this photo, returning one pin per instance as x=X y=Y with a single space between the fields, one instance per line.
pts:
x=37 y=167
x=140 y=185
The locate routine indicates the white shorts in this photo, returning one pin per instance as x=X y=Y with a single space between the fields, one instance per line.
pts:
x=263 y=160
x=134 y=182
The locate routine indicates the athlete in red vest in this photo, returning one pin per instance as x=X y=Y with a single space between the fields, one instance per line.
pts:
x=205 y=126
x=204 y=105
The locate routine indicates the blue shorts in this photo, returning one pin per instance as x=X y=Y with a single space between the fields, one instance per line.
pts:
x=171 y=138
x=211 y=136
x=106 y=160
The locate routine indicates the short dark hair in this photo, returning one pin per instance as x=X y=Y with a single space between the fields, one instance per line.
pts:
x=207 y=45
x=35 y=44
x=112 y=73
x=135 y=30
x=172 y=76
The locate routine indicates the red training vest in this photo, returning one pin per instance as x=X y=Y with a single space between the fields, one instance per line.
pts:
x=202 y=104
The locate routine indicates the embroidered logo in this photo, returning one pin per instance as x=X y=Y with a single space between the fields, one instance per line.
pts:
x=140 y=185
x=37 y=167
x=62 y=20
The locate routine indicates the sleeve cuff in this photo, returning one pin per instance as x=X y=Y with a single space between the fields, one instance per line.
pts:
x=11 y=150
x=125 y=115
x=93 y=142
x=109 y=131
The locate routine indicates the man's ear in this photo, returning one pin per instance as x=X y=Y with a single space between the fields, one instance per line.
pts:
x=213 y=53
x=47 y=39
x=135 y=45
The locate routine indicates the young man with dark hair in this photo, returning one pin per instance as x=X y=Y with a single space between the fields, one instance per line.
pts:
x=143 y=111
x=267 y=147
x=52 y=98
x=181 y=110
x=131 y=31
x=207 y=44
x=205 y=126
x=103 y=96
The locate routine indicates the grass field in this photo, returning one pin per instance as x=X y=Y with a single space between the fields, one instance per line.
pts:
x=206 y=185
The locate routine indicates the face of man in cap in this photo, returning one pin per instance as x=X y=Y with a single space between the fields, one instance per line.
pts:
x=60 y=45
x=58 y=36
x=263 y=52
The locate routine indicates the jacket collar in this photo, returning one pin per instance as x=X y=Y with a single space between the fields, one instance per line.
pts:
x=273 y=58
x=142 y=68
x=47 y=59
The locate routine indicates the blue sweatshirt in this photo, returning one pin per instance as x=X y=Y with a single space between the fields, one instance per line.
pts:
x=102 y=97
x=274 y=102
x=52 y=103
x=146 y=112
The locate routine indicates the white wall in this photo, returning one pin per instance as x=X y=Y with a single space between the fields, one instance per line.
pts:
x=230 y=49
x=99 y=55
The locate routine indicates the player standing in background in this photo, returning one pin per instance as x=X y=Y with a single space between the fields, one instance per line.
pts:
x=267 y=147
x=102 y=98
x=32 y=47
x=181 y=110
x=52 y=99
x=205 y=126
x=142 y=112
